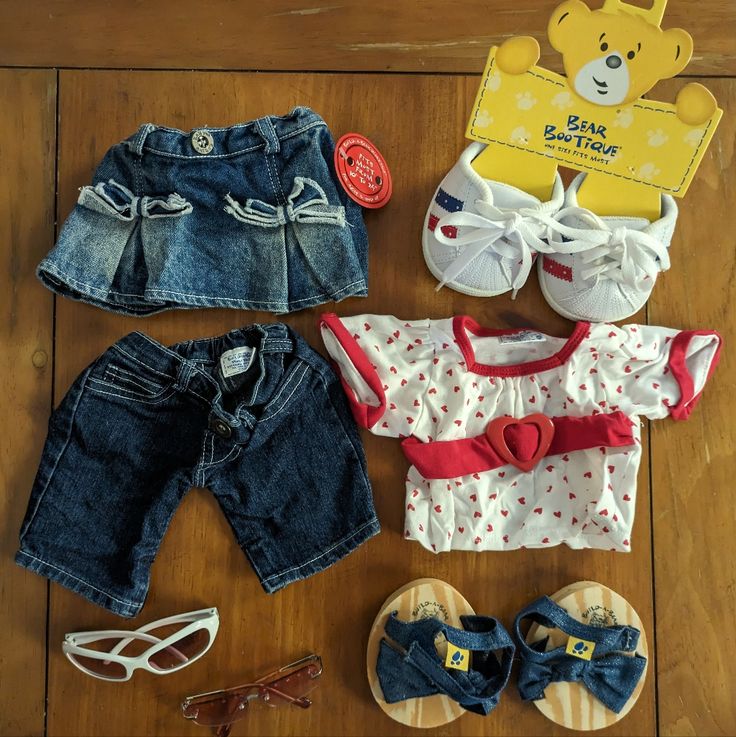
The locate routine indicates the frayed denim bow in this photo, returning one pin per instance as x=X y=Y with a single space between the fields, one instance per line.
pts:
x=111 y=198
x=610 y=676
x=611 y=679
x=307 y=203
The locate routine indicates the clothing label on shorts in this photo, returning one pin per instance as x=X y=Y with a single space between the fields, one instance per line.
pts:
x=236 y=361
x=525 y=336
x=457 y=657
x=582 y=649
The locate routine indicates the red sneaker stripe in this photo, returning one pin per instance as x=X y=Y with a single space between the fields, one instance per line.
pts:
x=557 y=269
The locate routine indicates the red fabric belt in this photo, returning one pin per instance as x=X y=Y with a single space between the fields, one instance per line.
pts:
x=523 y=443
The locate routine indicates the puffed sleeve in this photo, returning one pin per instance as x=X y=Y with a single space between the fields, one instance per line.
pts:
x=384 y=364
x=655 y=371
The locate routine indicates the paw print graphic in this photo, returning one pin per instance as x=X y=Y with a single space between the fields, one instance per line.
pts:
x=648 y=171
x=494 y=81
x=562 y=100
x=457 y=657
x=520 y=136
x=525 y=100
x=623 y=119
x=483 y=119
x=694 y=137
x=657 y=137
x=580 y=648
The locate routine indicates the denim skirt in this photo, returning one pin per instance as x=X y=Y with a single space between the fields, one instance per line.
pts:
x=249 y=217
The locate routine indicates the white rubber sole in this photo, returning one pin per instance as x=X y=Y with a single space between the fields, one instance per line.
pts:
x=561 y=310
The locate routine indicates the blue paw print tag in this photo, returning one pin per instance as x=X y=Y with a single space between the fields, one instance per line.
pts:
x=457 y=657
x=582 y=649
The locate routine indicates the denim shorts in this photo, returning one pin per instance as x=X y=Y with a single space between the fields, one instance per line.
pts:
x=248 y=217
x=255 y=415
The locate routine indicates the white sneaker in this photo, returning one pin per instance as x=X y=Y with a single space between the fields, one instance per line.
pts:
x=603 y=269
x=481 y=237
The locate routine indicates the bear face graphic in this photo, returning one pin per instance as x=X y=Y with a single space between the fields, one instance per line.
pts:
x=615 y=59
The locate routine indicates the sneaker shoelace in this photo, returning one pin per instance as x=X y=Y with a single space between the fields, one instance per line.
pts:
x=621 y=254
x=515 y=236
x=624 y=255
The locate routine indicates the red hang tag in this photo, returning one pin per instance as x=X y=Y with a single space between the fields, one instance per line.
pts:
x=362 y=171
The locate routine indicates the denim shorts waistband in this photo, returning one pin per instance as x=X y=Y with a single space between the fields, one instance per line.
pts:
x=182 y=358
x=255 y=135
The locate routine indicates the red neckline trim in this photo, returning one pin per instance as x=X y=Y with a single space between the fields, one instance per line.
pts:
x=463 y=323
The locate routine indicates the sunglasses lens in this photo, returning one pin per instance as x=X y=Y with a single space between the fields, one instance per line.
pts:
x=294 y=684
x=180 y=651
x=214 y=712
x=102 y=668
x=282 y=688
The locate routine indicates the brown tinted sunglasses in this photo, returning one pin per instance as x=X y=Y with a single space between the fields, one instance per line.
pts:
x=289 y=685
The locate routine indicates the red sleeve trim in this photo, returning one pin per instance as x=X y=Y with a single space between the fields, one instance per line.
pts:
x=678 y=366
x=366 y=415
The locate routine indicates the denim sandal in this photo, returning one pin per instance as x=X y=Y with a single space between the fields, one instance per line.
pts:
x=416 y=600
x=409 y=666
x=592 y=657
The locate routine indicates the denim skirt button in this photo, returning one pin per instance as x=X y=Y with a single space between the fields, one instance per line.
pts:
x=202 y=142
x=221 y=428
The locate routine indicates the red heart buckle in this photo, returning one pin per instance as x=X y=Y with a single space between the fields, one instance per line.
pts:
x=531 y=437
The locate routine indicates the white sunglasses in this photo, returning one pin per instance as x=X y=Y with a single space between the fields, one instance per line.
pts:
x=163 y=646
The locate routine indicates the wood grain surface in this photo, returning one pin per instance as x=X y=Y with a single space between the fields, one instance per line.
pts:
x=27 y=152
x=344 y=35
x=693 y=463
x=680 y=573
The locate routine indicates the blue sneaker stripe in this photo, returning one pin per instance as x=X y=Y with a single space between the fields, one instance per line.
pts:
x=447 y=201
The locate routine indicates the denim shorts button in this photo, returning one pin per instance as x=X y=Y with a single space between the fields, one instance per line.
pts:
x=202 y=142
x=221 y=428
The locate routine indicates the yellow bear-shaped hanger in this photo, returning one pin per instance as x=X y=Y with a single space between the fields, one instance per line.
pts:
x=611 y=57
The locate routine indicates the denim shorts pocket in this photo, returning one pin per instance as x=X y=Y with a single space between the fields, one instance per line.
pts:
x=117 y=374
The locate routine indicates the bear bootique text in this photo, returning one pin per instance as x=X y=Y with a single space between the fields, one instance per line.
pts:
x=582 y=135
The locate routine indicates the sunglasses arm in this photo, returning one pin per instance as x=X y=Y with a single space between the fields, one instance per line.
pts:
x=302 y=702
x=139 y=635
x=303 y=661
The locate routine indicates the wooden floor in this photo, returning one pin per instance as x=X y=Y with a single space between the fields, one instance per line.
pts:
x=404 y=74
